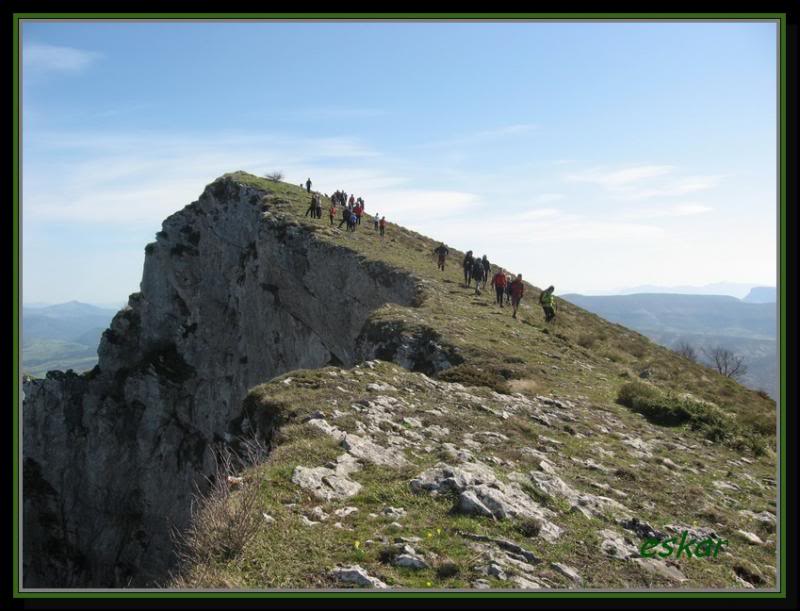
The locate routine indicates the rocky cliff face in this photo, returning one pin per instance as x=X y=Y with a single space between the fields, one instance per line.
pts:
x=233 y=293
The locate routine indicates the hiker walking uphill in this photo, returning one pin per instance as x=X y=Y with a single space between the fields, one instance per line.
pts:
x=486 y=269
x=376 y=220
x=499 y=284
x=548 y=302
x=517 y=289
x=477 y=274
x=467 y=264
x=509 y=280
x=318 y=208
x=308 y=185
x=312 y=207
x=345 y=216
x=332 y=211
x=382 y=225
x=442 y=251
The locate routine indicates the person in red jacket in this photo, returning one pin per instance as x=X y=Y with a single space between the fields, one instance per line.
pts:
x=382 y=225
x=359 y=211
x=332 y=211
x=499 y=284
x=517 y=289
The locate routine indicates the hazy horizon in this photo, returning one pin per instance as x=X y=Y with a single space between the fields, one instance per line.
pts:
x=589 y=156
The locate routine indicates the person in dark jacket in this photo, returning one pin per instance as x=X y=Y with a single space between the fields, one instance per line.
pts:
x=467 y=264
x=441 y=251
x=477 y=274
x=486 y=269
x=308 y=185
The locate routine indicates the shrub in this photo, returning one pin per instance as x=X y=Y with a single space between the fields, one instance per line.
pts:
x=586 y=340
x=274 y=176
x=226 y=515
x=469 y=375
x=715 y=424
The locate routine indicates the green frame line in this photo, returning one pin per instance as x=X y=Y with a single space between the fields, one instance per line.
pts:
x=439 y=594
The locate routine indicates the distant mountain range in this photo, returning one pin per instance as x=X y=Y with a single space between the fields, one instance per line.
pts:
x=62 y=336
x=761 y=294
x=732 y=289
x=704 y=321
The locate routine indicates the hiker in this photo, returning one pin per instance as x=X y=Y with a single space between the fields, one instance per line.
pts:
x=499 y=284
x=319 y=206
x=442 y=251
x=332 y=211
x=548 y=303
x=345 y=217
x=363 y=204
x=351 y=202
x=358 y=211
x=312 y=208
x=308 y=185
x=509 y=279
x=376 y=220
x=477 y=274
x=351 y=223
x=486 y=269
x=467 y=264
x=517 y=289
x=382 y=225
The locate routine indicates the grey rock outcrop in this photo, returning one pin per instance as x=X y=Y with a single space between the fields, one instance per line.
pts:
x=233 y=293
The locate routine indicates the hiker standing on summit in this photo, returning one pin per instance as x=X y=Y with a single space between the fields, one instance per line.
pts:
x=308 y=185
x=517 y=289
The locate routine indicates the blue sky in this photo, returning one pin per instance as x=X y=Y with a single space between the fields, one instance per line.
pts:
x=591 y=156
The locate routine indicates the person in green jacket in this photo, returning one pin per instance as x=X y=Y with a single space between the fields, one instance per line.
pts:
x=548 y=303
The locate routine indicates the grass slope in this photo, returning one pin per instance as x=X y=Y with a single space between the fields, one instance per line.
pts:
x=579 y=356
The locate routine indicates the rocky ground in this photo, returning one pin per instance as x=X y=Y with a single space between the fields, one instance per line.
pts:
x=389 y=479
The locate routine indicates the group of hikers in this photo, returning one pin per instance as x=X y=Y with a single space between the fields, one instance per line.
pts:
x=353 y=209
x=508 y=289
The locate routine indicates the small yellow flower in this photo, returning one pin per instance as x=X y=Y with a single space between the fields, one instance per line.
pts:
x=429 y=584
x=430 y=534
x=438 y=531
x=356 y=544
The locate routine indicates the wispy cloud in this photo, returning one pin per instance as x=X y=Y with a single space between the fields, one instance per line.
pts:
x=676 y=210
x=644 y=181
x=482 y=136
x=52 y=58
x=617 y=178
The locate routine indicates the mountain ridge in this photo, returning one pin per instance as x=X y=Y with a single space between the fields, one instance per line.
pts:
x=240 y=288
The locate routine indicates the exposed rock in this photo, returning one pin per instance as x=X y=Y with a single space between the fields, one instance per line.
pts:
x=358 y=576
x=365 y=449
x=221 y=282
x=394 y=512
x=411 y=561
x=660 y=568
x=330 y=482
x=345 y=511
x=616 y=546
x=567 y=571
x=751 y=538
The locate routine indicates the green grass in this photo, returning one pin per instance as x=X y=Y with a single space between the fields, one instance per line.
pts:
x=578 y=356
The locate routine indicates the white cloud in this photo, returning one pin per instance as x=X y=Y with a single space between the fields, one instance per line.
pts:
x=44 y=57
x=617 y=178
x=644 y=181
x=546 y=198
x=503 y=131
x=676 y=210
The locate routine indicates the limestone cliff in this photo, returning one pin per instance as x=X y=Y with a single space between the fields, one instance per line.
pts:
x=232 y=294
